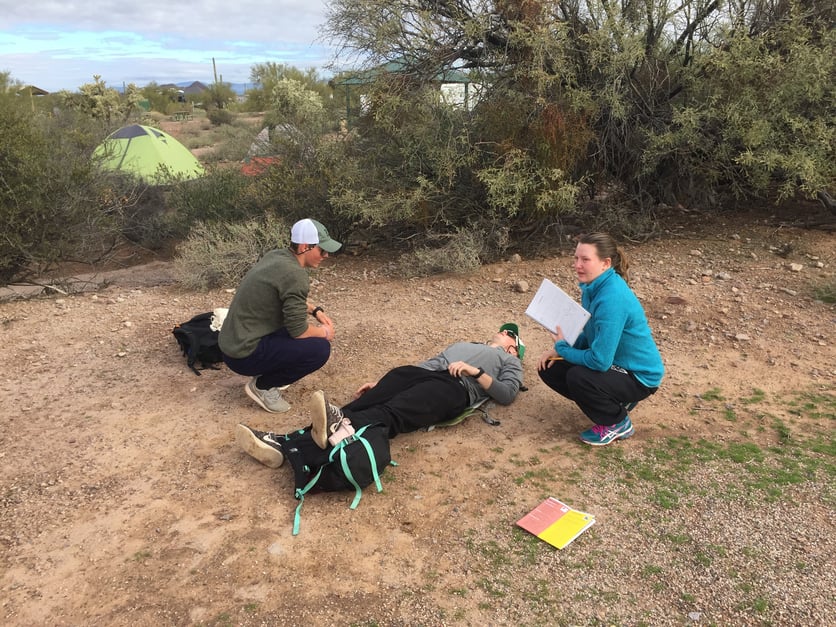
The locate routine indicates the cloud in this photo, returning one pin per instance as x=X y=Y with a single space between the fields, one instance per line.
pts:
x=61 y=45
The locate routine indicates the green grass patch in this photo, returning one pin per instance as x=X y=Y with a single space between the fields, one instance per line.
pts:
x=712 y=395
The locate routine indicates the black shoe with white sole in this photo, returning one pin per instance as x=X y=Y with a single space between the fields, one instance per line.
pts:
x=262 y=445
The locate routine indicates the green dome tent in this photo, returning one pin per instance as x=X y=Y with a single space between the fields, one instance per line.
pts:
x=149 y=153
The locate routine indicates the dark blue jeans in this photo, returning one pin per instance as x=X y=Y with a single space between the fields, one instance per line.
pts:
x=280 y=359
x=601 y=396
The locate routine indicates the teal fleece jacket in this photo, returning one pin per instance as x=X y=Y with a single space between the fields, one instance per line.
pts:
x=617 y=333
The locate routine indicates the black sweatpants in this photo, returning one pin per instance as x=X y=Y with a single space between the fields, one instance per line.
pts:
x=601 y=396
x=409 y=398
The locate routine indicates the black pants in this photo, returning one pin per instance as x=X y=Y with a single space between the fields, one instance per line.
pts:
x=601 y=396
x=409 y=398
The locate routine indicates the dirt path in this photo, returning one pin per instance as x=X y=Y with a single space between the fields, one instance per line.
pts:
x=125 y=500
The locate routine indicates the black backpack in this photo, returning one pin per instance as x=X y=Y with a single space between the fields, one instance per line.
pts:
x=199 y=342
x=354 y=463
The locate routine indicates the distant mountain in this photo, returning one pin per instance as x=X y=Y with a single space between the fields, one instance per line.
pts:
x=238 y=88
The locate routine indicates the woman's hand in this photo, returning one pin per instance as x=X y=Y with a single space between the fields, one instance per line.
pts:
x=558 y=335
x=547 y=359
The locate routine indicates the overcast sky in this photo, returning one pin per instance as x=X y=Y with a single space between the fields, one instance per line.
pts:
x=62 y=44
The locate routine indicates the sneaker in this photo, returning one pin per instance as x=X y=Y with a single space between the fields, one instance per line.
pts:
x=261 y=445
x=601 y=435
x=327 y=418
x=270 y=400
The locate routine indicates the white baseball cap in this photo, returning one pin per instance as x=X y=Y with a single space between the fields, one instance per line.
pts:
x=309 y=231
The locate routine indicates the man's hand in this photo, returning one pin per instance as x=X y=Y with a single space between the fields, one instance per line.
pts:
x=324 y=318
x=462 y=368
x=363 y=389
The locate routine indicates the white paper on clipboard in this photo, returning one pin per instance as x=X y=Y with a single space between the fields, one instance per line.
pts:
x=552 y=307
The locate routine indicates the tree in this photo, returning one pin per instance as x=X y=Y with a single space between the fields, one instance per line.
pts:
x=160 y=99
x=291 y=102
x=265 y=76
x=101 y=102
x=219 y=95
x=587 y=96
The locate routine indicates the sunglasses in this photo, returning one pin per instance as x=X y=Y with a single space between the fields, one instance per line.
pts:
x=514 y=337
x=518 y=344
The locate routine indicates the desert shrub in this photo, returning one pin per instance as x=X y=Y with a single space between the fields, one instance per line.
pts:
x=232 y=141
x=228 y=142
x=458 y=252
x=146 y=219
x=219 y=254
x=220 y=116
x=54 y=204
x=223 y=195
x=826 y=292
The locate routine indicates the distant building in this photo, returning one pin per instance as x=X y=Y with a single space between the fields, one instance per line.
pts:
x=31 y=90
x=455 y=86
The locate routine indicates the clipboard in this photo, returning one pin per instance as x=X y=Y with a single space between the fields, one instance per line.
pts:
x=551 y=307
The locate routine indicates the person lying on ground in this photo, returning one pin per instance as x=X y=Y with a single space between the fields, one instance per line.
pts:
x=409 y=398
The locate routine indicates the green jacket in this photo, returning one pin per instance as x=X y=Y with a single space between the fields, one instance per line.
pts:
x=272 y=295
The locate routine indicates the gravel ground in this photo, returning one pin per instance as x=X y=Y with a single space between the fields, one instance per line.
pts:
x=124 y=499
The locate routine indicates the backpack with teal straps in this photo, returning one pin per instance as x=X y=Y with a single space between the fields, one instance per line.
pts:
x=354 y=463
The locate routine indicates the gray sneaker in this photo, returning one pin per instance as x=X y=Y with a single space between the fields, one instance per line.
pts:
x=327 y=418
x=262 y=446
x=270 y=400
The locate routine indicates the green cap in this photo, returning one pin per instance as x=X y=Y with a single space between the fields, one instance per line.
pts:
x=514 y=331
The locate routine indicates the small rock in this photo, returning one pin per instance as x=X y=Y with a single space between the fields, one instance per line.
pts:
x=695 y=253
x=796 y=267
x=515 y=258
x=521 y=286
